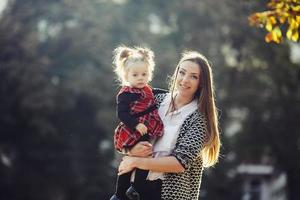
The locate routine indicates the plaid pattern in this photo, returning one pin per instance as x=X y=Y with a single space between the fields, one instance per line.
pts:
x=124 y=136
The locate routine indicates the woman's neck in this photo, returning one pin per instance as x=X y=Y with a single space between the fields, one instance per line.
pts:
x=178 y=102
x=181 y=101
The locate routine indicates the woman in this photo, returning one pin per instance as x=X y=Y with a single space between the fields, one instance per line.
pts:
x=191 y=137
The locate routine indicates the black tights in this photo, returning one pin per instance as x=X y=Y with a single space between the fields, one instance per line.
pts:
x=123 y=182
x=150 y=190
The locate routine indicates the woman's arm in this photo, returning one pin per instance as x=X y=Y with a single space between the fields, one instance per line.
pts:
x=191 y=140
x=161 y=164
x=187 y=148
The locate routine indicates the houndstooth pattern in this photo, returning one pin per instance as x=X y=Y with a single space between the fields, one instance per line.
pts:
x=190 y=141
x=159 y=97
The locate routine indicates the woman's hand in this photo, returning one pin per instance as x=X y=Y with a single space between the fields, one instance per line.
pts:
x=127 y=165
x=141 y=149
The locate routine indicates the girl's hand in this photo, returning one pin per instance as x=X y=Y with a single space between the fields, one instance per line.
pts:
x=141 y=149
x=141 y=128
x=127 y=165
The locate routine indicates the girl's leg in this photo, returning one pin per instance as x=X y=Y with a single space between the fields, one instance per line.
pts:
x=141 y=175
x=150 y=190
x=139 y=178
x=123 y=183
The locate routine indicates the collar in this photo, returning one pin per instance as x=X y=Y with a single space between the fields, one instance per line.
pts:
x=193 y=105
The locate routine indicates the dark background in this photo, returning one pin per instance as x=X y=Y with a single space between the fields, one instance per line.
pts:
x=57 y=91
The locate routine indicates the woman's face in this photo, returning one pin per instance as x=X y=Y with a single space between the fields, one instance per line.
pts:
x=188 y=79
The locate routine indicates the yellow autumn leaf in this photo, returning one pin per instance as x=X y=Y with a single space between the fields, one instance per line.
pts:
x=269 y=25
x=268 y=37
x=254 y=19
x=285 y=14
x=279 y=5
x=282 y=14
x=282 y=19
x=289 y=33
x=271 y=4
x=295 y=36
x=277 y=31
x=275 y=37
x=294 y=24
x=291 y=22
x=286 y=7
x=273 y=20
x=295 y=8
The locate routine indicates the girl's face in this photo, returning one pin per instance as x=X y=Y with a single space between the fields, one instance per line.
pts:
x=188 y=79
x=137 y=74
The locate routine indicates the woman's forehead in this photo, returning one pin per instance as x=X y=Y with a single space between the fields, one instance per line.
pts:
x=190 y=67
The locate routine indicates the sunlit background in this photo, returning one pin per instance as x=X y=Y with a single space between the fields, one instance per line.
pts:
x=57 y=94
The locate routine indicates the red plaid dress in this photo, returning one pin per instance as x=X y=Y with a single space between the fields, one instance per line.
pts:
x=126 y=137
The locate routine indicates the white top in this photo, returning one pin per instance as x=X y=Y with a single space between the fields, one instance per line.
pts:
x=172 y=123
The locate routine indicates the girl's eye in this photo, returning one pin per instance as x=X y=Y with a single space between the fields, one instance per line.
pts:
x=144 y=74
x=134 y=75
x=181 y=72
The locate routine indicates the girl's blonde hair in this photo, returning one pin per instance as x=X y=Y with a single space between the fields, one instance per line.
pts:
x=206 y=105
x=124 y=56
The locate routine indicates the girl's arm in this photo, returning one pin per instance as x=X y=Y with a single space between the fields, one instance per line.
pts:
x=123 y=109
x=161 y=164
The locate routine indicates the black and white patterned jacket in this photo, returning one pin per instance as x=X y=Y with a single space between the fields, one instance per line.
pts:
x=190 y=141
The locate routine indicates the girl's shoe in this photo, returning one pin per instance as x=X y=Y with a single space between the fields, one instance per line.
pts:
x=114 y=197
x=132 y=194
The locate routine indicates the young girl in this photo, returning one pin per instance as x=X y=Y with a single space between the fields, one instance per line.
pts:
x=136 y=108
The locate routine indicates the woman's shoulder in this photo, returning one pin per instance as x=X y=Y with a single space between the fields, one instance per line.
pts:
x=159 y=91
x=195 y=117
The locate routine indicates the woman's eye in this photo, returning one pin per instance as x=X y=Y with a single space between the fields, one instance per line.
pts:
x=134 y=75
x=181 y=72
x=195 y=77
x=144 y=74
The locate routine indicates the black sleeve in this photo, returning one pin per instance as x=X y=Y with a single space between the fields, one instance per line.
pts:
x=191 y=143
x=123 y=109
x=159 y=91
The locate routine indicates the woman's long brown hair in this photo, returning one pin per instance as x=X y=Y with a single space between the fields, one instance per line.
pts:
x=206 y=105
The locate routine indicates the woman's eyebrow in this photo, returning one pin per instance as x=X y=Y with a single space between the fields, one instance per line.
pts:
x=186 y=71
